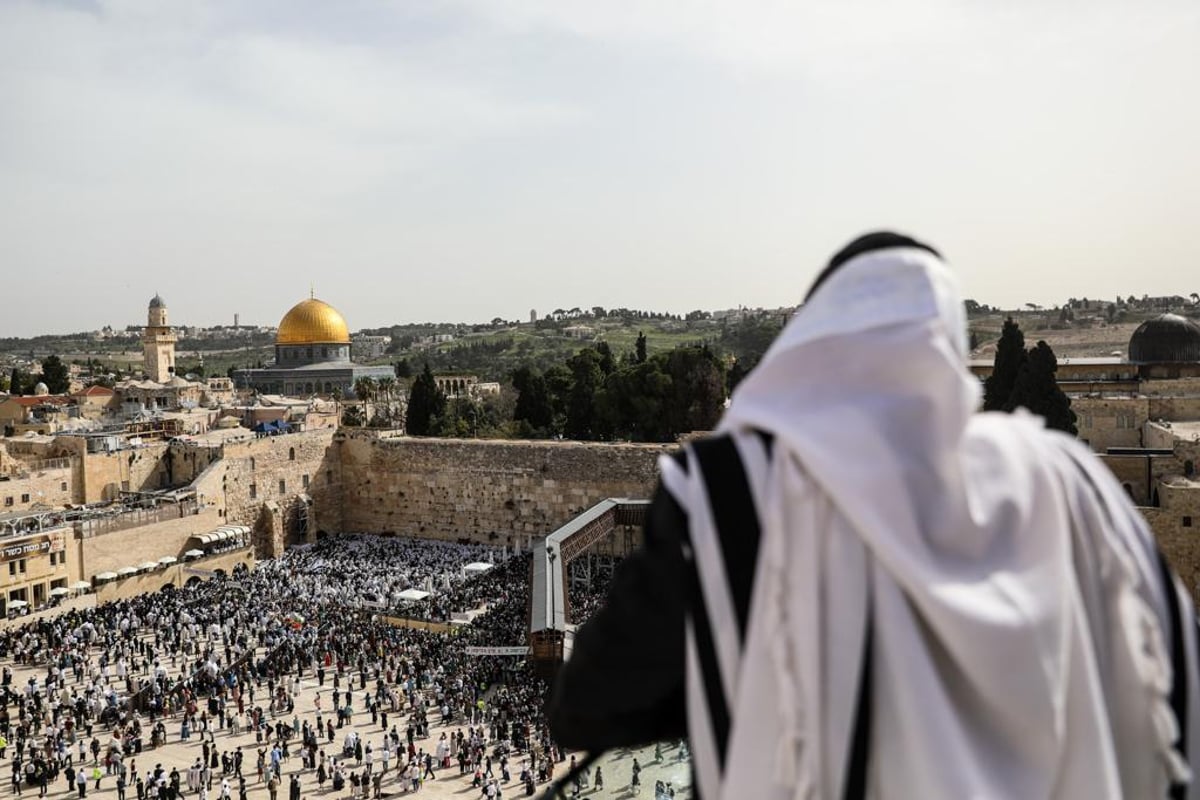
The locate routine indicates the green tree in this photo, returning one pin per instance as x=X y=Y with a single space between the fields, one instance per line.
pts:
x=736 y=373
x=586 y=379
x=55 y=375
x=425 y=404
x=640 y=349
x=632 y=402
x=403 y=368
x=353 y=417
x=1010 y=357
x=608 y=363
x=365 y=390
x=16 y=381
x=533 y=402
x=697 y=389
x=1037 y=390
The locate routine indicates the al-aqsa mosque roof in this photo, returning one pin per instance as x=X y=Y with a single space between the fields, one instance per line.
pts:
x=1166 y=338
x=312 y=321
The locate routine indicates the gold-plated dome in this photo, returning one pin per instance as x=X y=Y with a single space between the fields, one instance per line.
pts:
x=312 y=322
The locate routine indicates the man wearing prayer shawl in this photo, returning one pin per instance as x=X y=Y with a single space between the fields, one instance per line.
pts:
x=862 y=587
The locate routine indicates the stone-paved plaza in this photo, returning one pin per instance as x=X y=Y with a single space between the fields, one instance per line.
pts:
x=242 y=637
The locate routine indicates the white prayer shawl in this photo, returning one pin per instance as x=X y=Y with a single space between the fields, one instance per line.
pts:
x=1021 y=643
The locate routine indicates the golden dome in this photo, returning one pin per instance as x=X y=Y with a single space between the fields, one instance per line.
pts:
x=312 y=322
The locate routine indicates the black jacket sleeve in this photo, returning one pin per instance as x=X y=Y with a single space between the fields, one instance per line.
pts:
x=623 y=685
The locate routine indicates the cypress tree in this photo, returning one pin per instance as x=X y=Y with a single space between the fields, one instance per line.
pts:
x=425 y=401
x=1037 y=390
x=1010 y=357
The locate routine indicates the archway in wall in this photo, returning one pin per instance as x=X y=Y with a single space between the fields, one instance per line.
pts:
x=192 y=581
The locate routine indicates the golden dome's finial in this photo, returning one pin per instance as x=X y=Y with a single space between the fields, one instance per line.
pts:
x=312 y=292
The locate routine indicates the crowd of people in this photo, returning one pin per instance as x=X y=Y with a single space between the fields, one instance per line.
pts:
x=282 y=662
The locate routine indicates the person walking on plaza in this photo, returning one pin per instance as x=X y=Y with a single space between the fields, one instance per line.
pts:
x=861 y=586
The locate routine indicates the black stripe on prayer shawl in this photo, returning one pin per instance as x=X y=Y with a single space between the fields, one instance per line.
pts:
x=706 y=651
x=735 y=519
x=1179 y=698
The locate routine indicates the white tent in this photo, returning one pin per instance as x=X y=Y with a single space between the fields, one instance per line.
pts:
x=79 y=586
x=17 y=604
x=476 y=568
x=59 y=591
x=106 y=576
x=412 y=595
x=193 y=554
x=168 y=560
x=149 y=566
x=123 y=571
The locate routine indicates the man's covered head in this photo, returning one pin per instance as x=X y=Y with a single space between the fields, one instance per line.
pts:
x=868 y=242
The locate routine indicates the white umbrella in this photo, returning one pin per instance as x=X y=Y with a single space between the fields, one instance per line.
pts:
x=17 y=604
x=123 y=571
x=80 y=585
x=194 y=553
x=150 y=565
x=59 y=591
x=168 y=560
x=106 y=576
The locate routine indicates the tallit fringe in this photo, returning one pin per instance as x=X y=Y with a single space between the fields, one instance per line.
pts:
x=1144 y=638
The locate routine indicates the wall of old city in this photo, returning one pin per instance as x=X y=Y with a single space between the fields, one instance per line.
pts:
x=138 y=469
x=51 y=487
x=131 y=547
x=503 y=492
x=282 y=470
x=1105 y=422
x=1176 y=526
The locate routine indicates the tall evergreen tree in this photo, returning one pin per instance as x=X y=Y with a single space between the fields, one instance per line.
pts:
x=1010 y=357
x=425 y=402
x=56 y=375
x=640 y=351
x=587 y=378
x=533 y=401
x=1037 y=390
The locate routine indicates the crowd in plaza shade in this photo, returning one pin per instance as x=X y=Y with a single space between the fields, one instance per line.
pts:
x=89 y=696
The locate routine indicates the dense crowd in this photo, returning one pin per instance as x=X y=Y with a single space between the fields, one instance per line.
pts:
x=586 y=596
x=228 y=656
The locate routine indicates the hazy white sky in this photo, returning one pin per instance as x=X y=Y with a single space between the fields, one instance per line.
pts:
x=465 y=160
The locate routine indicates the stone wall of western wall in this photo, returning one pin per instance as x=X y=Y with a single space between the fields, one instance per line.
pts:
x=282 y=470
x=501 y=492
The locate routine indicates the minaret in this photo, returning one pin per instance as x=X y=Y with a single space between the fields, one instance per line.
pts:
x=158 y=344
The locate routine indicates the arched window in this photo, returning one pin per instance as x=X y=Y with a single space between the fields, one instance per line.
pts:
x=291 y=454
x=252 y=463
x=308 y=388
x=328 y=388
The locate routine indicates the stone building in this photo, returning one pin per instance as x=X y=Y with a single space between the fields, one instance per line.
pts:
x=312 y=356
x=158 y=343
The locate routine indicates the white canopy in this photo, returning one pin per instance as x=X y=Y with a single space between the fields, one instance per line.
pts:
x=17 y=604
x=476 y=568
x=168 y=560
x=149 y=565
x=59 y=591
x=80 y=585
x=106 y=576
x=194 y=553
x=123 y=571
x=412 y=595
